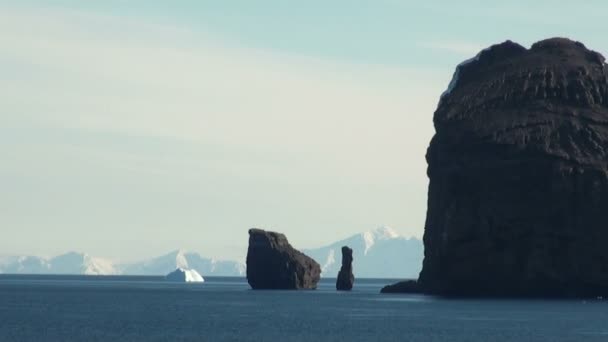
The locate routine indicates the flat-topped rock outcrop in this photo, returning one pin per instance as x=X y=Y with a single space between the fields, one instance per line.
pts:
x=518 y=170
x=272 y=263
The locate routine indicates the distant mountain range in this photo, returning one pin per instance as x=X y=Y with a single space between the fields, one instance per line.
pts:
x=80 y=263
x=380 y=253
x=186 y=260
x=69 y=263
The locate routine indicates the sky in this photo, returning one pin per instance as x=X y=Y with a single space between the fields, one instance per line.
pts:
x=132 y=128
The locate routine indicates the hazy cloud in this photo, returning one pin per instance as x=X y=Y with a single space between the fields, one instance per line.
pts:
x=123 y=132
x=459 y=48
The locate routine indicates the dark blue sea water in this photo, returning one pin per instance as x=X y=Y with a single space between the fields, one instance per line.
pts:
x=43 y=308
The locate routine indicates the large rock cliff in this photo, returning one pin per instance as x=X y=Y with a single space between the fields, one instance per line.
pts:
x=272 y=263
x=518 y=169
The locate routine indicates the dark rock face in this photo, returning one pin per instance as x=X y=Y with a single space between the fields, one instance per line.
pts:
x=518 y=169
x=273 y=264
x=408 y=286
x=346 y=279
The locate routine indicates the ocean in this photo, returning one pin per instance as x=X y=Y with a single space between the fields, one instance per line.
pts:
x=89 y=308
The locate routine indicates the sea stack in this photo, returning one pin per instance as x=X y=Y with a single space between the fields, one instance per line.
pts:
x=346 y=279
x=518 y=170
x=273 y=264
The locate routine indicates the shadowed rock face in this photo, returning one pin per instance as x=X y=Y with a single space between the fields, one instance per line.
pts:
x=346 y=279
x=408 y=286
x=272 y=263
x=518 y=192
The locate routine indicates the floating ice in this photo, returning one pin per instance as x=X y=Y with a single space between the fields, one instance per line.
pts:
x=185 y=276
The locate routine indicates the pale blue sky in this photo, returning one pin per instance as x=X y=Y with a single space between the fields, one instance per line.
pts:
x=131 y=128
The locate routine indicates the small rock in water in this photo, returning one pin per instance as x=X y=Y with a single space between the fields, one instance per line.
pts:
x=407 y=286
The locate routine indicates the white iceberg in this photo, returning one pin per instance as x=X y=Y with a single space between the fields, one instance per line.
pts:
x=185 y=276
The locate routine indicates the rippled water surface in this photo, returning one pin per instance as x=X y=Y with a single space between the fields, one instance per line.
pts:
x=55 y=308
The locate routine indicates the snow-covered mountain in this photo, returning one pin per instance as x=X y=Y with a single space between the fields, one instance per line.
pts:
x=69 y=263
x=186 y=260
x=80 y=263
x=379 y=253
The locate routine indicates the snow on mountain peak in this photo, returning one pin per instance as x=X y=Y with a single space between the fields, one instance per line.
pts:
x=97 y=266
x=181 y=261
x=377 y=253
x=380 y=233
x=331 y=259
x=386 y=232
